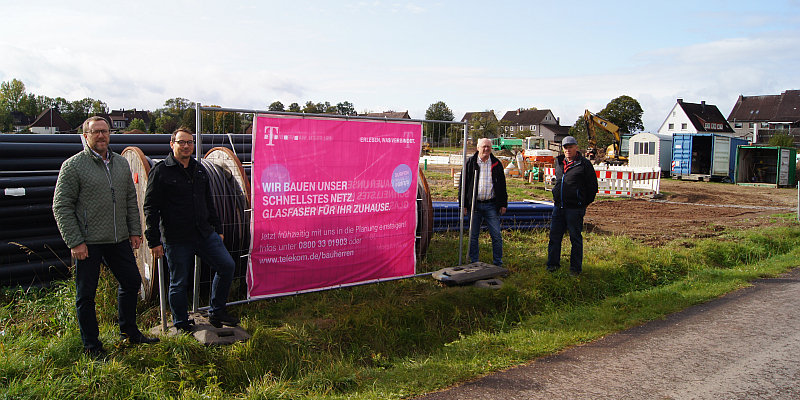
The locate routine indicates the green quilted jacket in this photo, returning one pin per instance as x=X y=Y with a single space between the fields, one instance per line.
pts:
x=93 y=204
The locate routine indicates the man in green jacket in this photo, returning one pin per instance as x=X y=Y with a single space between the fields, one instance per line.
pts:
x=97 y=214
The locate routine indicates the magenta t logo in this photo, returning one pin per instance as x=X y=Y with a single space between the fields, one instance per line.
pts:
x=269 y=133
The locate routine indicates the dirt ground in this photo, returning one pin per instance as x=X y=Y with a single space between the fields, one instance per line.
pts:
x=690 y=210
x=685 y=209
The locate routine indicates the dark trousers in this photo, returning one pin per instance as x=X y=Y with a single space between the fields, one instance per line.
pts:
x=566 y=219
x=120 y=261
x=180 y=258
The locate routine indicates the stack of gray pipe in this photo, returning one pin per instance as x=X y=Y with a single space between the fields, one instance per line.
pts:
x=32 y=252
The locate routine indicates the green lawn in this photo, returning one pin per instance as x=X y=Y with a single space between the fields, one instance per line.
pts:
x=389 y=340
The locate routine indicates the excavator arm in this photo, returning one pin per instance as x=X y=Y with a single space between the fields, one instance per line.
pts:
x=593 y=122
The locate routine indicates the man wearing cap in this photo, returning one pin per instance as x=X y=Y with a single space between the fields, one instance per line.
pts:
x=491 y=198
x=574 y=190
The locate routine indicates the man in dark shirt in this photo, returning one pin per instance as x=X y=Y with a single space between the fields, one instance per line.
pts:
x=178 y=197
x=575 y=189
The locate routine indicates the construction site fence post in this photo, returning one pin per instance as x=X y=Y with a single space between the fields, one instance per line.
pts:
x=463 y=199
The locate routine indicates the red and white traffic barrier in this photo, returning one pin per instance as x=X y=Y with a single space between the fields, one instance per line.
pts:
x=619 y=181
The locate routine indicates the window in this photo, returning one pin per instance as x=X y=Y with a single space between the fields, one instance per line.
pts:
x=511 y=128
x=671 y=127
x=674 y=113
x=119 y=124
x=683 y=126
x=737 y=125
x=533 y=128
x=644 y=148
x=765 y=125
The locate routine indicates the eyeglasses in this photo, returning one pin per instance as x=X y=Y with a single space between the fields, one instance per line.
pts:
x=99 y=131
x=184 y=142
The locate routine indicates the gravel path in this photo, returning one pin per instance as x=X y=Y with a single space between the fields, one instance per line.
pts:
x=745 y=345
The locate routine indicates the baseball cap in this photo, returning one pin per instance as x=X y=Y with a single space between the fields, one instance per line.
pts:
x=569 y=140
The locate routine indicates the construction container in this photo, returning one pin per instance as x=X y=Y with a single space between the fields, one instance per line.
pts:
x=769 y=166
x=704 y=156
x=651 y=150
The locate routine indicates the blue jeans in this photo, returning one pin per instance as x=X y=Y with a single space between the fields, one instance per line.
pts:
x=566 y=219
x=119 y=259
x=180 y=258
x=488 y=213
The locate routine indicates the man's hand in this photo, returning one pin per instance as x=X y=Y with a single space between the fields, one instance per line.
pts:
x=502 y=210
x=136 y=241
x=157 y=252
x=221 y=236
x=465 y=211
x=80 y=252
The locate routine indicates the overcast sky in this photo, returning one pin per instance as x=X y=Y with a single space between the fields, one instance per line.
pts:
x=564 y=55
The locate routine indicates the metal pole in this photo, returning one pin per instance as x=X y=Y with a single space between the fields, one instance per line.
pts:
x=463 y=199
x=199 y=143
x=198 y=122
x=798 y=202
x=162 y=293
x=196 y=291
x=472 y=211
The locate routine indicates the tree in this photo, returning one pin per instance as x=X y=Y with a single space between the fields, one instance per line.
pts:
x=11 y=93
x=99 y=107
x=311 y=108
x=326 y=108
x=77 y=111
x=294 y=107
x=276 y=106
x=30 y=105
x=227 y=122
x=189 y=120
x=137 y=124
x=437 y=112
x=152 y=127
x=178 y=106
x=578 y=131
x=482 y=125
x=345 y=108
x=782 y=139
x=165 y=124
x=625 y=112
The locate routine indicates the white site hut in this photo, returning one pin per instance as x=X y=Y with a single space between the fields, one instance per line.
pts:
x=651 y=150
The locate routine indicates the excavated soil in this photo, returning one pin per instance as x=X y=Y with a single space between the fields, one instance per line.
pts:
x=684 y=210
x=690 y=210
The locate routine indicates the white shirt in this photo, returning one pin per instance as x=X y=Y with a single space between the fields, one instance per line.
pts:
x=485 y=186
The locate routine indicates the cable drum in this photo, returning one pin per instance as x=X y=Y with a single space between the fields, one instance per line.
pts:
x=424 y=216
x=228 y=160
x=140 y=169
x=231 y=203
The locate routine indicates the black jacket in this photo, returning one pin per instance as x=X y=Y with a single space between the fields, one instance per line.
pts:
x=578 y=187
x=182 y=203
x=498 y=181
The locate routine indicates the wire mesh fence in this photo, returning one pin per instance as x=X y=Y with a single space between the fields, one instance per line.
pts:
x=225 y=145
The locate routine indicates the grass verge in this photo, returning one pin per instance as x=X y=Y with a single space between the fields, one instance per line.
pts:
x=389 y=340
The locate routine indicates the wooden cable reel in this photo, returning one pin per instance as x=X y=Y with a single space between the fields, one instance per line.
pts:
x=226 y=158
x=424 y=216
x=140 y=169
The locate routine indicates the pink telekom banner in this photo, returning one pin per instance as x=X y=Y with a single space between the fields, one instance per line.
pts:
x=334 y=203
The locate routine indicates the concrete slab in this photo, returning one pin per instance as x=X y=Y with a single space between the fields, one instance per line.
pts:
x=206 y=333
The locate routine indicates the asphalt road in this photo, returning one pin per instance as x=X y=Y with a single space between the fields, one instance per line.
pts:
x=745 y=345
